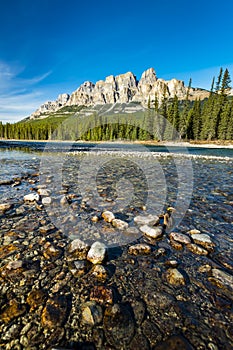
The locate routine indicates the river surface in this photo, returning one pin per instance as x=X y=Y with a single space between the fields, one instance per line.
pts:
x=128 y=180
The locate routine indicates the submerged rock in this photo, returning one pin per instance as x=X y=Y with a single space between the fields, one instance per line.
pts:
x=108 y=216
x=102 y=294
x=196 y=249
x=223 y=277
x=119 y=327
x=156 y=232
x=139 y=249
x=77 y=250
x=97 y=253
x=5 y=206
x=121 y=225
x=92 y=313
x=12 y=310
x=146 y=220
x=31 y=197
x=175 y=277
x=180 y=237
x=55 y=312
x=203 y=240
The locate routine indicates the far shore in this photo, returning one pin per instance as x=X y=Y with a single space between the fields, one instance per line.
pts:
x=206 y=144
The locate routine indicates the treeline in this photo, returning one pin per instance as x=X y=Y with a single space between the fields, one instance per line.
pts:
x=211 y=119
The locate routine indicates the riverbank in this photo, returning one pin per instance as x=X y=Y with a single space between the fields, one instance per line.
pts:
x=206 y=144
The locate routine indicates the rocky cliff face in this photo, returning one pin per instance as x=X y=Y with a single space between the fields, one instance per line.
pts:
x=123 y=88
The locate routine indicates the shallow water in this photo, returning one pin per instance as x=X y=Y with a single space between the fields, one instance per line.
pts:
x=129 y=180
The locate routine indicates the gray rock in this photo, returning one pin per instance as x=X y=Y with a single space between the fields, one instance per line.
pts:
x=97 y=253
x=154 y=233
x=146 y=219
x=203 y=240
x=139 y=249
x=223 y=277
x=108 y=216
x=77 y=250
x=92 y=313
x=180 y=237
x=46 y=200
x=121 y=225
x=5 y=206
x=175 y=277
x=31 y=197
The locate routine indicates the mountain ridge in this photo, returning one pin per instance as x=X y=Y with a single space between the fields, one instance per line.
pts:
x=123 y=88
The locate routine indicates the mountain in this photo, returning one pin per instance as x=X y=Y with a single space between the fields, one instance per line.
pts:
x=123 y=88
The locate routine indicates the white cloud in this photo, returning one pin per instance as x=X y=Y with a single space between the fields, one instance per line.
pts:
x=19 y=97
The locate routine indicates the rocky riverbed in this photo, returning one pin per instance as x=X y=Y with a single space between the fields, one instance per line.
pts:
x=75 y=275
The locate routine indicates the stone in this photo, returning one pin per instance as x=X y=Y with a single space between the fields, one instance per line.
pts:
x=46 y=200
x=78 y=268
x=180 y=237
x=52 y=252
x=203 y=240
x=108 y=216
x=92 y=313
x=46 y=228
x=175 y=277
x=176 y=245
x=43 y=192
x=146 y=220
x=194 y=232
x=120 y=224
x=174 y=342
x=77 y=250
x=119 y=327
x=97 y=253
x=139 y=249
x=171 y=263
x=6 y=182
x=11 y=311
x=31 y=197
x=5 y=206
x=154 y=233
x=100 y=272
x=7 y=250
x=223 y=277
x=36 y=298
x=102 y=294
x=196 y=249
x=54 y=313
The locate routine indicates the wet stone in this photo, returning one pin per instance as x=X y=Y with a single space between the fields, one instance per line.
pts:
x=11 y=311
x=99 y=272
x=175 y=342
x=78 y=268
x=43 y=192
x=77 y=250
x=97 y=253
x=92 y=313
x=120 y=224
x=175 y=277
x=146 y=220
x=223 y=277
x=102 y=294
x=55 y=312
x=31 y=197
x=203 y=240
x=119 y=327
x=36 y=298
x=46 y=200
x=47 y=228
x=176 y=245
x=7 y=250
x=194 y=248
x=180 y=237
x=139 y=249
x=108 y=216
x=5 y=206
x=154 y=233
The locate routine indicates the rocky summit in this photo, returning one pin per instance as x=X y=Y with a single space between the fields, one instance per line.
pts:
x=123 y=88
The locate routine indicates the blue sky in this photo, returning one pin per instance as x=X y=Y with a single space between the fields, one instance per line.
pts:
x=49 y=47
